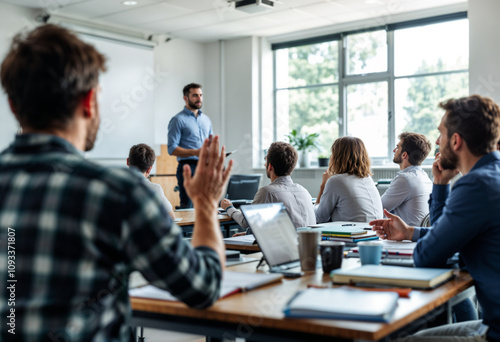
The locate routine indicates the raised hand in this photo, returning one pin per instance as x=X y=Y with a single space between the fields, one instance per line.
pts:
x=207 y=184
x=392 y=228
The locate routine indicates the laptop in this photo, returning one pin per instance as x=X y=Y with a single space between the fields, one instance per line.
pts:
x=275 y=234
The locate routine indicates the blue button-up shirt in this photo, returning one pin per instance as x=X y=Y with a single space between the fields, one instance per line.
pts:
x=467 y=220
x=188 y=131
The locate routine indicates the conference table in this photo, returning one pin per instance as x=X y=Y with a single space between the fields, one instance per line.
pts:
x=257 y=315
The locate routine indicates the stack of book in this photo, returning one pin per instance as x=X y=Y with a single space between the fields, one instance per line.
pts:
x=395 y=249
x=350 y=235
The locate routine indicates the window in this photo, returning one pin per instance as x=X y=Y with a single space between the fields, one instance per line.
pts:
x=367 y=106
x=366 y=52
x=373 y=84
x=429 y=71
x=307 y=96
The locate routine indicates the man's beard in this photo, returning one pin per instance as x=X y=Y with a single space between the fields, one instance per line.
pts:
x=195 y=105
x=92 y=134
x=397 y=158
x=449 y=159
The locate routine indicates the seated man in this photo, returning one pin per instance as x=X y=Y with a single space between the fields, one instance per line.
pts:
x=408 y=194
x=142 y=157
x=280 y=161
x=77 y=229
x=465 y=220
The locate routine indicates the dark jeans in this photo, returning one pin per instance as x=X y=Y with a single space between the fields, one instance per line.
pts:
x=185 y=201
x=464 y=311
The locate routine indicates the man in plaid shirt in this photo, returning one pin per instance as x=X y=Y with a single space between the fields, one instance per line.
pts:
x=72 y=231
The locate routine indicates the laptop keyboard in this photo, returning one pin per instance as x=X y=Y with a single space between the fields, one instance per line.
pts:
x=291 y=265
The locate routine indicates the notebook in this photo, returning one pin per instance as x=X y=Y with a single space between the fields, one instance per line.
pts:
x=396 y=248
x=232 y=282
x=420 y=278
x=275 y=234
x=356 y=238
x=339 y=303
x=244 y=240
x=342 y=231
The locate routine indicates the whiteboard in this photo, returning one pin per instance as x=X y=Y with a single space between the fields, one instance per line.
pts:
x=126 y=99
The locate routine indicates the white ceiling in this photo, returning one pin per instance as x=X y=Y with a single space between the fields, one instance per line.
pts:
x=209 y=20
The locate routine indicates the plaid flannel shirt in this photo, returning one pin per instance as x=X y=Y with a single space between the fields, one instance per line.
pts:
x=79 y=229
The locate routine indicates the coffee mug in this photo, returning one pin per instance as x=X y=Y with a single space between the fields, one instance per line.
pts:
x=308 y=249
x=332 y=253
x=370 y=252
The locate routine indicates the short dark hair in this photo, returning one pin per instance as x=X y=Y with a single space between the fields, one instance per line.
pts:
x=46 y=73
x=141 y=156
x=283 y=157
x=187 y=89
x=416 y=145
x=476 y=119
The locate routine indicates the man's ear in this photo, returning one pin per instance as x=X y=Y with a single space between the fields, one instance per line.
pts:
x=13 y=109
x=128 y=163
x=404 y=155
x=456 y=141
x=88 y=103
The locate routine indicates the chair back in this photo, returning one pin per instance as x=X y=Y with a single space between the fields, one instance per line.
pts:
x=243 y=187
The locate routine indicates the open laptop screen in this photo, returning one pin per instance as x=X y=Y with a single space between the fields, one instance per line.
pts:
x=274 y=231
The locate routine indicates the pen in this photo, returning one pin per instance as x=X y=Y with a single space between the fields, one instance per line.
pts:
x=348 y=224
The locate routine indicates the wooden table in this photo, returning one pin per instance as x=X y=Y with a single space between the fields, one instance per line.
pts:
x=257 y=315
x=187 y=221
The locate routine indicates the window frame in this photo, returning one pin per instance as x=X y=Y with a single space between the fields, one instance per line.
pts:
x=345 y=79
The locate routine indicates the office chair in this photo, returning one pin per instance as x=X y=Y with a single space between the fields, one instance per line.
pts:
x=241 y=189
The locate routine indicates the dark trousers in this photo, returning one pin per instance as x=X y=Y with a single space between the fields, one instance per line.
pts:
x=185 y=201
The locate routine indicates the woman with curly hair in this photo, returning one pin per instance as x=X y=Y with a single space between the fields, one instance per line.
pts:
x=347 y=192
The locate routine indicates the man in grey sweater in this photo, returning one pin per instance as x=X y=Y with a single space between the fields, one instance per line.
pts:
x=280 y=162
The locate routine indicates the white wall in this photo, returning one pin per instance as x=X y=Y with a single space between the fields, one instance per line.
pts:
x=178 y=62
x=484 y=48
x=12 y=20
x=213 y=87
x=241 y=99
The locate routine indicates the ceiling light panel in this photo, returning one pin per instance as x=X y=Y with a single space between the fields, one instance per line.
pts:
x=99 y=8
x=147 y=14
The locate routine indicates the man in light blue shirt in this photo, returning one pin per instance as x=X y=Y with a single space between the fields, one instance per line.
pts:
x=408 y=194
x=186 y=132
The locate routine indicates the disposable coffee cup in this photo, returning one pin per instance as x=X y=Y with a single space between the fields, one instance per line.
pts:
x=308 y=249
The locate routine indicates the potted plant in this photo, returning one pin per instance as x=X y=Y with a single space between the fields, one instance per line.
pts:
x=323 y=160
x=303 y=143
